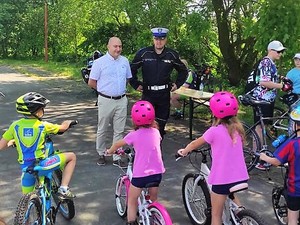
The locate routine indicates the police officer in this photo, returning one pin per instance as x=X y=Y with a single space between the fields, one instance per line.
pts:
x=157 y=63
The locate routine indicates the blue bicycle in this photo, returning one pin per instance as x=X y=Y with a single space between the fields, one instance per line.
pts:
x=37 y=208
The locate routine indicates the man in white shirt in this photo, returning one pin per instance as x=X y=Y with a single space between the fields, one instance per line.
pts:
x=109 y=77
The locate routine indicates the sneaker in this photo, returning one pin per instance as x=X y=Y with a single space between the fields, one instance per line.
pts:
x=260 y=166
x=177 y=115
x=101 y=161
x=119 y=163
x=65 y=194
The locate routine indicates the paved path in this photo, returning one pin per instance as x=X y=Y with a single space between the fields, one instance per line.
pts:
x=94 y=185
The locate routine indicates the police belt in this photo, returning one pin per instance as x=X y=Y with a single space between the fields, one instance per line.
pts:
x=158 y=87
x=111 y=97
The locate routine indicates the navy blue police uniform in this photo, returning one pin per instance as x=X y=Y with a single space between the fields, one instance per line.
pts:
x=156 y=77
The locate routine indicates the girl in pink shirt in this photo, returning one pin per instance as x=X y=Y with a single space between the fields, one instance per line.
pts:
x=148 y=166
x=226 y=137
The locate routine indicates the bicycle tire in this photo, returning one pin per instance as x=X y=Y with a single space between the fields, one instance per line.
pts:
x=159 y=218
x=198 y=206
x=29 y=206
x=279 y=205
x=247 y=216
x=273 y=132
x=251 y=146
x=65 y=207
x=121 y=197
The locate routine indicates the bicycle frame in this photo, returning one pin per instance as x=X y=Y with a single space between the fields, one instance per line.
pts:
x=261 y=122
x=144 y=202
x=44 y=191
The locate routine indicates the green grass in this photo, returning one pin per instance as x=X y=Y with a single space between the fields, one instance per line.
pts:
x=56 y=68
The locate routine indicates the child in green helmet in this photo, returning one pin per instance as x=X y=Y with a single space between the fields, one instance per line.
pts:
x=28 y=135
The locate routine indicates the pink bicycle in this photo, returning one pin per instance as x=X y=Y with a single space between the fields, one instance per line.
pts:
x=149 y=213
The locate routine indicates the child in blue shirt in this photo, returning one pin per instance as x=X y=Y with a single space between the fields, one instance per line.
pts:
x=289 y=152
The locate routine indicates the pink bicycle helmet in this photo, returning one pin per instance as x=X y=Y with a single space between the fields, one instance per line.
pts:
x=142 y=113
x=223 y=104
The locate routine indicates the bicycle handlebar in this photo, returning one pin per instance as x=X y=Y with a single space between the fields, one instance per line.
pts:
x=72 y=124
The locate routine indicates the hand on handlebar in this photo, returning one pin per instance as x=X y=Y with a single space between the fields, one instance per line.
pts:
x=106 y=153
x=119 y=151
x=181 y=152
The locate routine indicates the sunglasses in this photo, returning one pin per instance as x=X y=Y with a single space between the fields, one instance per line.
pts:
x=278 y=52
x=159 y=38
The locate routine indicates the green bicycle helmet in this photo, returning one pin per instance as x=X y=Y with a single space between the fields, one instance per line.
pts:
x=30 y=102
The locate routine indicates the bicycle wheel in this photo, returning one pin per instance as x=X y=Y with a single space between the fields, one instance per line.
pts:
x=121 y=197
x=29 y=210
x=279 y=205
x=196 y=200
x=273 y=132
x=247 y=216
x=158 y=218
x=251 y=146
x=65 y=207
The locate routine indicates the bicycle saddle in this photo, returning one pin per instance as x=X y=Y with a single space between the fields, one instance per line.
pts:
x=239 y=187
x=247 y=100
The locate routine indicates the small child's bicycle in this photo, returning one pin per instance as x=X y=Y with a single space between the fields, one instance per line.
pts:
x=36 y=208
x=149 y=213
x=279 y=195
x=196 y=196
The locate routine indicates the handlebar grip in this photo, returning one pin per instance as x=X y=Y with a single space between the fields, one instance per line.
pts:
x=73 y=123
x=178 y=157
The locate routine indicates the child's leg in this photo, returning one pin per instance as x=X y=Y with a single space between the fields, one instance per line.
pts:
x=293 y=217
x=153 y=191
x=70 y=158
x=133 y=195
x=27 y=182
x=217 y=205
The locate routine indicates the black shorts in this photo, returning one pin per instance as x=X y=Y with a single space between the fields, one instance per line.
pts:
x=149 y=181
x=293 y=203
x=267 y=111
x=223 y=189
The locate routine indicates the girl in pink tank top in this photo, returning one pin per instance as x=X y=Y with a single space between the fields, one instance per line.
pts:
x=226 y=137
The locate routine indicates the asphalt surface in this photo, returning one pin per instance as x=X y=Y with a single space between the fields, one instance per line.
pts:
x=94 y=185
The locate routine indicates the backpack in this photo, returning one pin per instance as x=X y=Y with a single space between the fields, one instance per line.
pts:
x=253 y=78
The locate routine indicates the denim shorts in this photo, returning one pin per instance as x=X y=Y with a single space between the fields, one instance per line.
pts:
x=149 y=181
x=223 y=189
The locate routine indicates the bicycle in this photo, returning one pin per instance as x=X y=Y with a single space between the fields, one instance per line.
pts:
x=279 y=195
x=196 y=196
x=149 y=213
x=36 y=208
x=253 y=143
x=281 y=125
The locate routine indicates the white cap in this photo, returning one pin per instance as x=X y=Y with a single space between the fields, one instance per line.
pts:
x=297 y=55
x=276 y=45
x=159 y=32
